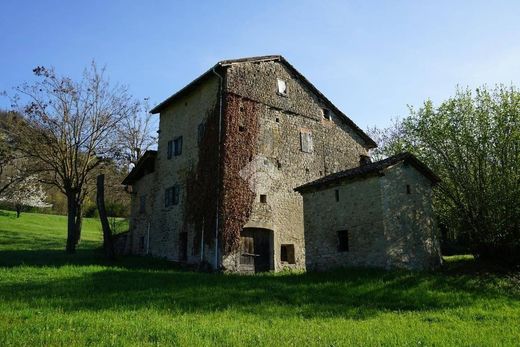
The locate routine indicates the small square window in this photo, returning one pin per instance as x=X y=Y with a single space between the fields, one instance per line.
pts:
x=336 y=193
x=170 y=149
x=282 y=87
x=343 y=244
x=287 y=254
x=263 y=198
x=327 y=114
x=177 y=146
x=241 y=128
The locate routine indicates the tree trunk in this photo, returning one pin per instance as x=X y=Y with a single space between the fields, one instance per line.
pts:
x=107 y=234
x=78 y=224
x=18 y=210
x=71 y=223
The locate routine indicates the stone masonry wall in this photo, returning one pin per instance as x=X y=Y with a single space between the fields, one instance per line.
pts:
x=280 y=165
x=387 y=227
x=358 y=211
x=140 y=221
x=180 y=118
x=410 y=229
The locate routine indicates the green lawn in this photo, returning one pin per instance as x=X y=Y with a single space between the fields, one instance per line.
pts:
x=49 y=298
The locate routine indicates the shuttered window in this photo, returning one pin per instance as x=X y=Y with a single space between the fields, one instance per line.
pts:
x=306 y=141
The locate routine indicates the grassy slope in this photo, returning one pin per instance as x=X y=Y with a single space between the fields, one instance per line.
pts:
x=50 y=298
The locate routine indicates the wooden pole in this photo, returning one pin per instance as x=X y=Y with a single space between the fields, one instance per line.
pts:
x=108 y=244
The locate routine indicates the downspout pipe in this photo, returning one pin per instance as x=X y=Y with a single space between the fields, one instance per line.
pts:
x=217 y=221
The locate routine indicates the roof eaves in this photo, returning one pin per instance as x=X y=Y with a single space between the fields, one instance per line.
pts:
x=129 y=179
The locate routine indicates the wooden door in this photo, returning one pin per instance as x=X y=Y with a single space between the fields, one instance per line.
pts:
x=255 y=250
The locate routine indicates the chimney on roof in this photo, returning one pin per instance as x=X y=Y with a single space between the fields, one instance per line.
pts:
x=364 y=160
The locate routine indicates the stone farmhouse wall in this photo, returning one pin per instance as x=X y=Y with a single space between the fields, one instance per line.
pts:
x=180 y=118
x=280 y=164
x=409 y=220
x=387 y=226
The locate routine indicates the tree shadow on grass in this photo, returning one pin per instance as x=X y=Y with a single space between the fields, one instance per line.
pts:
x=349 y=293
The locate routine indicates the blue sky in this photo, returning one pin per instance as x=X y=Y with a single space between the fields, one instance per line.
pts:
x=371 y=58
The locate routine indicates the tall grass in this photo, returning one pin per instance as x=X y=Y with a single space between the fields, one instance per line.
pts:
x=49 y=298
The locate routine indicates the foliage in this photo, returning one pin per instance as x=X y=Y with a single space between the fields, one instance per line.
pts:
x=50 y=298
x=25 y=193
x=472 y=141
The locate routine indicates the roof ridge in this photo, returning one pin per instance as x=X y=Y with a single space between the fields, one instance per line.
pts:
x=370 y=169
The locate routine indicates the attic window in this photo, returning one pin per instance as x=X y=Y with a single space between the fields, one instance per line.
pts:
x=263 y=198
x=282 y=87
x=327 y=114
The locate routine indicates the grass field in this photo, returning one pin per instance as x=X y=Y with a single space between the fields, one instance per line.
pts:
x=49 y=298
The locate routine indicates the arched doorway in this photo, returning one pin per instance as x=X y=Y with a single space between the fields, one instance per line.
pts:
x=256 y=250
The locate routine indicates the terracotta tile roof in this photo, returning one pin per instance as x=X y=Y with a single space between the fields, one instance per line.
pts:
x=221 y=64
x=370 y=169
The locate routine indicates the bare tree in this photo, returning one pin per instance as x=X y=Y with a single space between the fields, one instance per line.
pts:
x=136 y=134
x=69 y=130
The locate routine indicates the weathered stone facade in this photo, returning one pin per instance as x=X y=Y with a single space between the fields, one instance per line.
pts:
x=384 y=216
x=265 y=131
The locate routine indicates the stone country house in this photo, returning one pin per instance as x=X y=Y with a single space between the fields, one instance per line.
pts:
x=229 y=184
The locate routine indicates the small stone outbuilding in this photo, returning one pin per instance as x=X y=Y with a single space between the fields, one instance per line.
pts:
x=377 y=215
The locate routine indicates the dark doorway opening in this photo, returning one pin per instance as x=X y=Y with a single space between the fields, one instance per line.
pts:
x=183 y=246
x=256 y=250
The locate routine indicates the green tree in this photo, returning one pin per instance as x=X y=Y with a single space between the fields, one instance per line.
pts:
x=472 y=141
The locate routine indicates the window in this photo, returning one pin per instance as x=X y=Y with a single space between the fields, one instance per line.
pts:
x=282 y=87
x=241 y=128
x=263 y=198
x=327 y=114
x=168 y=193
x=200 y=132
x=176 y=194
x=177 y=146
x=142 y=204
x=170 y=149
x=336 y=193
x=172 y=196
x=306 y=141
x=343 y=241
x=408 y=189
x=287 y=254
